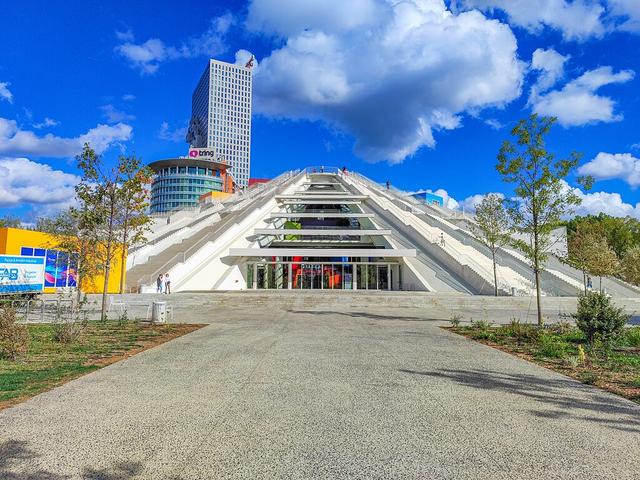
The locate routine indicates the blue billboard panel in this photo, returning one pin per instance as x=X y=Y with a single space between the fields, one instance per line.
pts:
x=21 y=274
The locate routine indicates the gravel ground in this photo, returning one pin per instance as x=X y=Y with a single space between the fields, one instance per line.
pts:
x=321 y=394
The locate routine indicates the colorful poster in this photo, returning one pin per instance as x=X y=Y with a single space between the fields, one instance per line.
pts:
x=50 y=268
x=21 y=274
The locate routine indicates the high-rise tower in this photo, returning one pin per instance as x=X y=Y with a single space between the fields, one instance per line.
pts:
x=221 y=116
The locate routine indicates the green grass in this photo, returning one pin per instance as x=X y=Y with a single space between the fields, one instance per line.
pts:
x=616 y=369
x=49 y=363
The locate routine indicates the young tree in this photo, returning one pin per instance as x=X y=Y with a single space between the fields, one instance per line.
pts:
x=631 y=266
x=78 y=242
x=542 y=196
x=134 y=219
x=102 y=194
x=584 y=237
x=603 y=261
x=492 y=228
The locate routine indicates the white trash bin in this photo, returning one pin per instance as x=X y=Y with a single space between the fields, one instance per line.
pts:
x=159 y=312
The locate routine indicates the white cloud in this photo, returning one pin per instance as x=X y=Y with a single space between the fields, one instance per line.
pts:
x=175 y=135
x=113 y=115
x=470 y=203
x=577 y=19
x=47 y=122
x=392 y=78
x=128 y=97
x=24 y=181
x=125 y=36
x=5 y=93
x=147 y=56
x=619 y=165
x=577 y=103
x=609 y=203
x=494 y=123
x=550 y=64
x=14 y=141
x=628 y=13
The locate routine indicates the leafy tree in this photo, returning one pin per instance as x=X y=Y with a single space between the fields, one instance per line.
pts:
x=10 y=222
x=492 y=228
x=590 y=252
x=133 y=219
x=104 y=194
x=631 y=266
x=73 y=237
x=603 y=261
x=542 y=197
x=621 y=233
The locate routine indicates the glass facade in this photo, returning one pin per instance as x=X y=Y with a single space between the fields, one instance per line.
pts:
x=180 y=186
x=319 y=276
x=221 y=116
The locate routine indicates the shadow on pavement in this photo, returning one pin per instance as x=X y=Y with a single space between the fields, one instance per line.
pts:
x=373 y=316
x=558 y=393
x=17 y=463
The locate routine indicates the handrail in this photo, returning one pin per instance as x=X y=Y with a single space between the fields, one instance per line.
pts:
x=272 y=185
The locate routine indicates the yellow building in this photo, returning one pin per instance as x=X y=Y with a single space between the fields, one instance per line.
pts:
x=60 y=269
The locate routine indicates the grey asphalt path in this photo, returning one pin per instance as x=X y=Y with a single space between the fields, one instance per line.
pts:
x=324 y=395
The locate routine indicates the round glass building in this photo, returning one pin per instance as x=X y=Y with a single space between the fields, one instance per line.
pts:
x=179 y=182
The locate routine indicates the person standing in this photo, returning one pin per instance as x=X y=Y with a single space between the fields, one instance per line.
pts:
x=388 y=184
x=159 y=282
x=167 y=283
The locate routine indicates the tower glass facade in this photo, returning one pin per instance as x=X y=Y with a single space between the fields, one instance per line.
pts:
x=178 y=183
x=221 y=116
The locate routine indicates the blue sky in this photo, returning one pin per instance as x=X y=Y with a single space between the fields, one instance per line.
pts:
x=420 y=92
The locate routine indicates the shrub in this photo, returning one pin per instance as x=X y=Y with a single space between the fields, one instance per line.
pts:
x=70 y=320
x=599 y=319
x=455 y=319
x=14 y=338
x=550 y=347
x=520 y=331
x=560 y=328
x=631 y=337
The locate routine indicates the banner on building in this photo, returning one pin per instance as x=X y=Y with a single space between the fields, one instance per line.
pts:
x=20 y=274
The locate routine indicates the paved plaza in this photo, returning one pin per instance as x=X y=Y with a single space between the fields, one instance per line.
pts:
x=331 y=393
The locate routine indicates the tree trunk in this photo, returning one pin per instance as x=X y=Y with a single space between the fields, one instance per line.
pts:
x=538 y=301
x=122 y=256
x=108 y=255
x=495 y=274
x=584 y=281
x=600 y=283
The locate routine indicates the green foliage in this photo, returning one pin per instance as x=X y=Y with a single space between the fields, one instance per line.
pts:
x=549 y=346
x=630 y=337
x=492 y=228
x=455 y=319
x=292 y=225
x=631 y=265
x=542 y=198
x=621 y=233
x=520 y=331
x=599 y=319
x=10 y=222
x=14 y=338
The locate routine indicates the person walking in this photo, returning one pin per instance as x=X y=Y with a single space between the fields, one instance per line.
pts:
x=167 y=283
x=159 y=282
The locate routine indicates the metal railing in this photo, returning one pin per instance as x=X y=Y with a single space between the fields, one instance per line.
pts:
x=183 y=256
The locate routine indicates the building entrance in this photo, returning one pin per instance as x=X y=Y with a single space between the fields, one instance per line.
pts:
x=319 y=276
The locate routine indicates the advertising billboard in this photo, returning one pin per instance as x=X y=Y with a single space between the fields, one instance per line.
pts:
x=20 y=274
x=202 y=153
